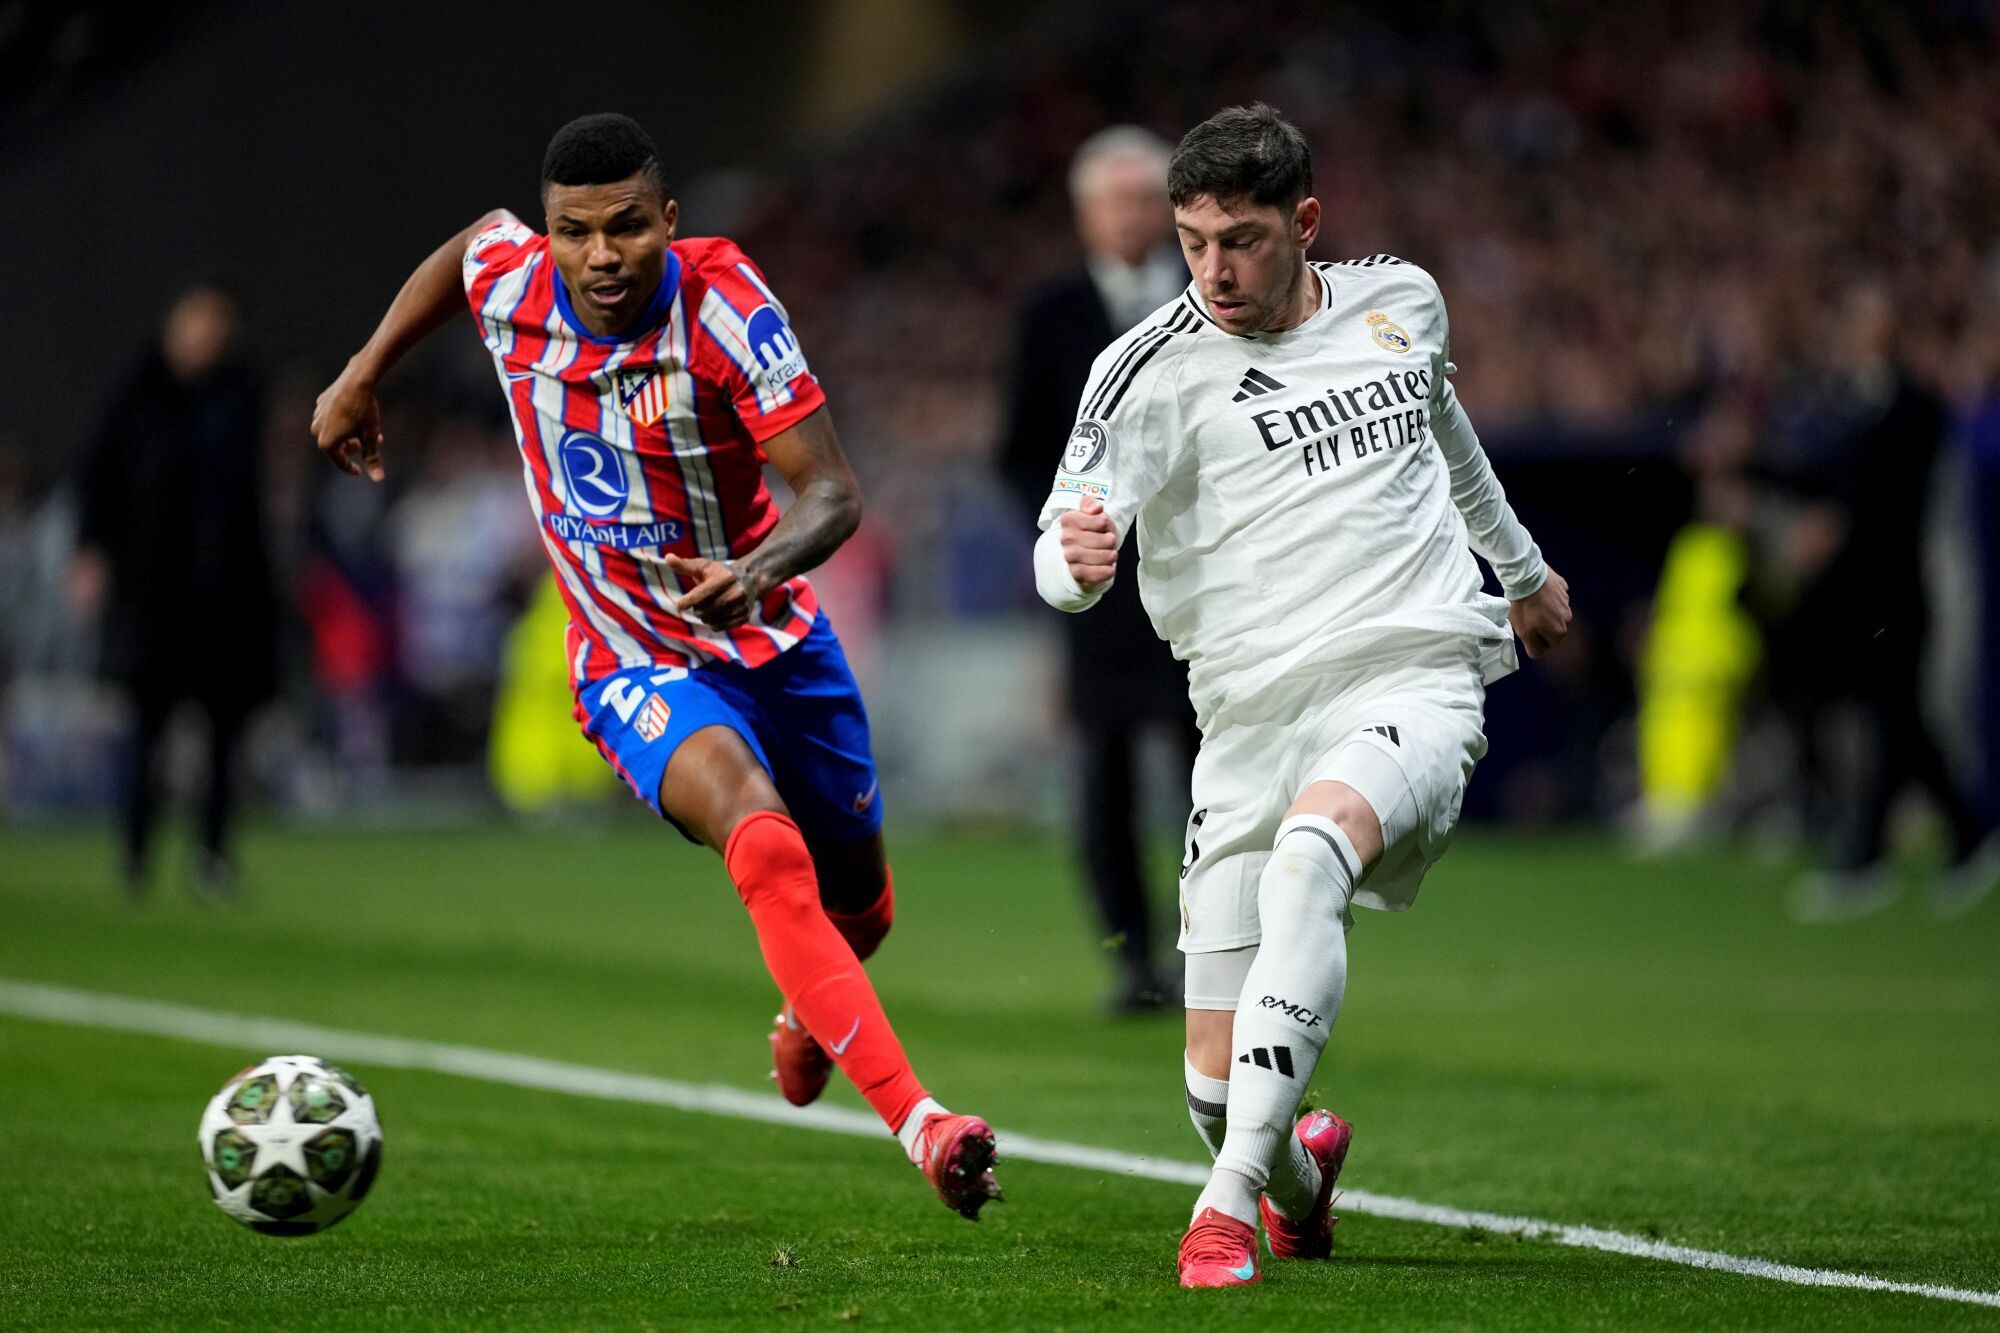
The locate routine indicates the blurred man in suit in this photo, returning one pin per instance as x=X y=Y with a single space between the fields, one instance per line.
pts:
x=1866 y=626
x=171 y=551
x=1121 y=676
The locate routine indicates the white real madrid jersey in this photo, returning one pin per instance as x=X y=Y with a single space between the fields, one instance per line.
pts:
x=1300 y=497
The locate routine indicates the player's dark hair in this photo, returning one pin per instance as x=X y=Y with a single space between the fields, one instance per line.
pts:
x=212 y=284
x=1242 y=152
x=601 y=149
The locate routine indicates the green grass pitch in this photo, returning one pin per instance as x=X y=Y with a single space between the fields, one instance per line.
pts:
x=1554 y=1032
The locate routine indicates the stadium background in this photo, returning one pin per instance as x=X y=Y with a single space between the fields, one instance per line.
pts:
x=1653 y=224
x=1646 y=223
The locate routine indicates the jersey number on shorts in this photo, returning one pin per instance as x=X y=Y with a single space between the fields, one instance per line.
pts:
x=1193 y=847
x=625 y=696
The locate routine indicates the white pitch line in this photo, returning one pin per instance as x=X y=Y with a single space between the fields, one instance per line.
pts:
x=60 y=1004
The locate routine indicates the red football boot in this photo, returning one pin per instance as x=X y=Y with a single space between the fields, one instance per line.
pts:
x=956 y=1154
x=1219 y=1251
x=800 y=1064
x=1326 y=1136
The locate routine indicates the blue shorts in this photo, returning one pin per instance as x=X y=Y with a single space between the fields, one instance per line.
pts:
x=799 y=713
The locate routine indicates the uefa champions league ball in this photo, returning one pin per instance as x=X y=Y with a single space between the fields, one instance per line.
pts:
x=291 y=1145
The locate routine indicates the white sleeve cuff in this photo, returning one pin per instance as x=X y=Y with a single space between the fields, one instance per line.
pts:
x=1524 y=578
x=1052 y=577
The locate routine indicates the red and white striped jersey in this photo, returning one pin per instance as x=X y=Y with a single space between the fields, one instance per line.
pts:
x=647 y=442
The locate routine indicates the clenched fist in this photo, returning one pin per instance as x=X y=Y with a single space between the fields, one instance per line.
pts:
x=1542 y=617
x=1089 y=544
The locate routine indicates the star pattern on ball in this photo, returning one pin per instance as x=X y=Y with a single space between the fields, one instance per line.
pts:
x=291 y=1145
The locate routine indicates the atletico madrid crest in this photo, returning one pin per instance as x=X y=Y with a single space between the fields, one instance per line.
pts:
x=651 y=723
x=642 y=393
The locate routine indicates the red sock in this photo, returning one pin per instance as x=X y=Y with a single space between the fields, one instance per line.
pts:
x=863 y=930
x=814 y=967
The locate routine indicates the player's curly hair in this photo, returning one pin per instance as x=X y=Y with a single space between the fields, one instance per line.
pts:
x=1242 y=152
x=600 y=150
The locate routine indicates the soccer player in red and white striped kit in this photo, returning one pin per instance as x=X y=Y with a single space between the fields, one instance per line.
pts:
x=649 y=380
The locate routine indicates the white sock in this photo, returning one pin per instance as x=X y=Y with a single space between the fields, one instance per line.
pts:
x=1289 y=1001
x=1208 y=1105
x=913 y=1122
x=1293 y=1186
x=1229 y=1192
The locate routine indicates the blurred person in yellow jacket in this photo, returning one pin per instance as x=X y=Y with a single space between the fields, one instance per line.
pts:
x=537 y=759
x=1702 y=648
x=1701 y=651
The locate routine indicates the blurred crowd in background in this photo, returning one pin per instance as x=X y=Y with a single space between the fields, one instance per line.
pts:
x=1722 y=280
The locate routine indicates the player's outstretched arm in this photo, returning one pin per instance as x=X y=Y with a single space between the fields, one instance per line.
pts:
x=825 y=510
x=347 y=422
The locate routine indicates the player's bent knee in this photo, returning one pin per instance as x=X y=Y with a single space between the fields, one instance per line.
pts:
x=1288 y=894
x=1348 y=808
x=770 y=866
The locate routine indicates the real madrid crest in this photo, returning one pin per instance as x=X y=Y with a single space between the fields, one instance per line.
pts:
x=1387 y=332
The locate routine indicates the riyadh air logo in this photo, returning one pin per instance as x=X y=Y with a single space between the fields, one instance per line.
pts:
x=598 y=486
x=775 y=346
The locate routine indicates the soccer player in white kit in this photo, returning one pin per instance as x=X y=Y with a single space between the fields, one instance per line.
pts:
x=1308 y=494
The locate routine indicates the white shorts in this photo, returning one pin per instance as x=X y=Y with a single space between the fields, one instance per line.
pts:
x=1404 y=732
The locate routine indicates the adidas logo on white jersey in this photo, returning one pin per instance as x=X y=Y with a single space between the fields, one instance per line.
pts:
x=1255 y=384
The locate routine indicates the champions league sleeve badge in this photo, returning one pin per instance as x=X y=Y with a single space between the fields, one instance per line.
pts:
x=1087 y=446
x=1387 y=332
